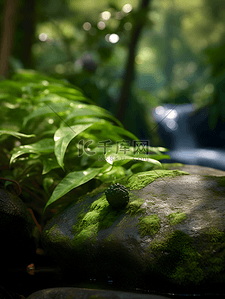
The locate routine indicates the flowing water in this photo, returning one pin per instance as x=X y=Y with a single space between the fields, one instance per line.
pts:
x=174 y=130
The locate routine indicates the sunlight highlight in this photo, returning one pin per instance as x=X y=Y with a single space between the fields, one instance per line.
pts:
x=106 y=15
x=160 y=110
x=172 y=113
x=109 y=159
x=51 y=121
x=127 y=8
x=114 y=38
x=43 y=37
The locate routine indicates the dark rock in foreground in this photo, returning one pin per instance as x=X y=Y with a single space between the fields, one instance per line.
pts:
x=73 y=293
x=16 y=229
x=170 y=235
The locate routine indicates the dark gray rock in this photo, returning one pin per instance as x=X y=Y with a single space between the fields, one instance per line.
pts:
x=170 y=234
x=16 y=228
x=74 y=293
x=195 y=169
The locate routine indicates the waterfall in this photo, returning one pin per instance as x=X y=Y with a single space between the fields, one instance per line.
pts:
x=174 y=130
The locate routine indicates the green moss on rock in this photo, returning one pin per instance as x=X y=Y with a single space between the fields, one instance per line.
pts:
x=215 y=235
x=169 y=165
x=142 y=179
x=188 y=272
x=222 y=181
x=134 y=207
x=149 y=225
x=99 y=216
x=185 y=262
x=55 y=234
x=176 y=218
x=177 y=259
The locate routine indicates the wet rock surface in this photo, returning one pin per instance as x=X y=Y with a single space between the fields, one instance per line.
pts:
x=72 y=293
x=195 y=169
x=170 y=235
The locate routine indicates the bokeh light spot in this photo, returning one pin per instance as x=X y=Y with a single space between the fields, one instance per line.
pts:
x=172 y=113
x=106 y=15
x=60 y=69
x=87 y=26
x=172 y=124
x=101 y=25
x=114 y=38
x=127 y=26
x=43 y=37
x=119 y=15
x=160 y=110
x=45 y=83
x=107 y=37
x=50 y=121
x=138 y=59
x=127 y=8
x=209 y=88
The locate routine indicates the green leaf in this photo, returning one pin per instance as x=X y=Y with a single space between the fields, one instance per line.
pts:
x=11 y=87
x=156 y=157
x=141 y=167
x=86 y=120
x=114 y=173
x=47 y=183
x=49 y=164
x=16 y=134
x=108 y=131
x=120 y=159
x=119 y=130
x=71 y=181
x=77 y=98
x=91 y=110
x=64 y=90
x=53 y=108
x=62 y=138
x=27 y=76
x=52 y=99
x=43 y=146
x=157 y=150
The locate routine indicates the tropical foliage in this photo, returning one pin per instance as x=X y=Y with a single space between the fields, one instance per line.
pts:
x=55 y=140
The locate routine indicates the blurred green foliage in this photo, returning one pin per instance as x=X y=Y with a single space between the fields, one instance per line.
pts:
x=179 y=60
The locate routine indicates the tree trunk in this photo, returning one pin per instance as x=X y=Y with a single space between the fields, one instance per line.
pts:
x=28 y=27
x=8 y=30
x=129 y=77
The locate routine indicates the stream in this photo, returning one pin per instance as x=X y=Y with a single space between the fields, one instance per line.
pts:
x=184 y=147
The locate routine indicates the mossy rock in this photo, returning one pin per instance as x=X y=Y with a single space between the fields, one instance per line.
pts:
x=172 y=230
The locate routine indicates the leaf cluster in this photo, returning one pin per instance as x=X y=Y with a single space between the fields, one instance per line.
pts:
x=65 y=141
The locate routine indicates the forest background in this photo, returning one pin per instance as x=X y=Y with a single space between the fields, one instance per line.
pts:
x=177 y=57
